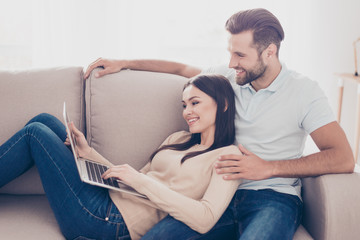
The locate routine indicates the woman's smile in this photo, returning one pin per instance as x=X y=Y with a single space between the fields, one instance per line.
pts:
x=192 y=121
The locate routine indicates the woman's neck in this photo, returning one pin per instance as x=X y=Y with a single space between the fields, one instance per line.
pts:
x=207 y=138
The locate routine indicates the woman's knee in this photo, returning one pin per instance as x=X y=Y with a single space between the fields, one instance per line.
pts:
x=35 y=127
x=42 y=118
x=52 y=123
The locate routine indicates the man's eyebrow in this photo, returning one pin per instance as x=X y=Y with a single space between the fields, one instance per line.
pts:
x=191 y=98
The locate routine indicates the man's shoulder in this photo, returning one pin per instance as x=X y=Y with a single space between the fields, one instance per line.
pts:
x=300 y=82
x=223 y=70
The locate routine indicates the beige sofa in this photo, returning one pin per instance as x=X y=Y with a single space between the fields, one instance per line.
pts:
x=126 y=116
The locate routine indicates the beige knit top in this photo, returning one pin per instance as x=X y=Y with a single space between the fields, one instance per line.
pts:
x=191 y=192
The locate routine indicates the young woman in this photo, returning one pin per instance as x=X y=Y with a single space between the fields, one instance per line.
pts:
x=179 y=179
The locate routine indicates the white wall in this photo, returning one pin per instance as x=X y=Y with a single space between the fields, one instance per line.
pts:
x=331 y=28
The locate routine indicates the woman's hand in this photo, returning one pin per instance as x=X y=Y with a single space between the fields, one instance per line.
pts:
x=83 y=147
x=123 y=172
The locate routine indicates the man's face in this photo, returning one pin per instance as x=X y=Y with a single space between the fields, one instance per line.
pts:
x=245 y=58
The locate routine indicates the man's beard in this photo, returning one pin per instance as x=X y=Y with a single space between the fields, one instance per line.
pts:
x=252 y=74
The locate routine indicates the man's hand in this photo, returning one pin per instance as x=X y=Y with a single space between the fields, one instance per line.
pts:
x=110 y=66
x=246 y=166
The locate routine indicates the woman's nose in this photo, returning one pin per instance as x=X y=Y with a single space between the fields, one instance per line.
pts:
x=187 y=111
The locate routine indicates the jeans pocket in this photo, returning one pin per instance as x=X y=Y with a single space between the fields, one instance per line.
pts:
x=126 y=237
x=83 y=238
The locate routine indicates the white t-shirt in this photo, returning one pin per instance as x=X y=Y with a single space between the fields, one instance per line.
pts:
x=274 y=122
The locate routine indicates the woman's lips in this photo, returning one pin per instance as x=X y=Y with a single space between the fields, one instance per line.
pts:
x=192 y=121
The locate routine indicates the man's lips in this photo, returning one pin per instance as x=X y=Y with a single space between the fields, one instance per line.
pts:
x=240 y=72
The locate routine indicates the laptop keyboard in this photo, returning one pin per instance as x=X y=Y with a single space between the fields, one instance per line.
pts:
x=95 y=171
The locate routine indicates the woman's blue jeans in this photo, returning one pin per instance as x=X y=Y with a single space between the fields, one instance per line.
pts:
x=82 y=211
x=263 y=214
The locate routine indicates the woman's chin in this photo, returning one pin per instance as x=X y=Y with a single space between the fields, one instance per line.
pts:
x=193 y=130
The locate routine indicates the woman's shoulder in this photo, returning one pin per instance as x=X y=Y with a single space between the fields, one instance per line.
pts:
x=231 y=149
x=177 y=137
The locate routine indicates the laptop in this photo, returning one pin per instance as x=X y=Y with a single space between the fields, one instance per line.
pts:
x=90 y=172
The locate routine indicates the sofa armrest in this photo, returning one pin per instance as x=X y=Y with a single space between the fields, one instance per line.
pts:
x=332 y=206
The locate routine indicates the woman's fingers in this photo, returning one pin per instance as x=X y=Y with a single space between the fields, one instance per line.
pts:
x=111 y=172
x=115 y=171
x=73 y=129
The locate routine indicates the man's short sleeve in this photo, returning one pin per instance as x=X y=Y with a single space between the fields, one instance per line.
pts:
x=221 y=70
x=315 y=110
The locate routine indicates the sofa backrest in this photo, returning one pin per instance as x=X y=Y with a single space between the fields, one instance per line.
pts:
x=130 y=113
x=126 y=115
x=25 y=94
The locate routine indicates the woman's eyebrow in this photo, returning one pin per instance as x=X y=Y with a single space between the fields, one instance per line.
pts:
x=191 y=98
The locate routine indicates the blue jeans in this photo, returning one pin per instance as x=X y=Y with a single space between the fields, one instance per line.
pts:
x=263 y=214
x=82 y=211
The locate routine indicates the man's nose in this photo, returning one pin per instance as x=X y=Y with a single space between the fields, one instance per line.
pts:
x=233 y=63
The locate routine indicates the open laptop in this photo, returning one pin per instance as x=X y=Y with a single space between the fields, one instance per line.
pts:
x=90 y=171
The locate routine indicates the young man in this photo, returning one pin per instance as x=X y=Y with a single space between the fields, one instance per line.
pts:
x=276 y=110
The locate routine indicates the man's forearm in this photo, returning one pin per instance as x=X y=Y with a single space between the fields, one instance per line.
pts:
x=112 y=66
x=324 y=162
x=161 y=66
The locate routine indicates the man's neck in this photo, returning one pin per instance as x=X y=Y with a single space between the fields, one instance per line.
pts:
x=269 y=76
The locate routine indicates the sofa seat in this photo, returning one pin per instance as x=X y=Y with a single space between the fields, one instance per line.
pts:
x=30 y=217
x=27 y=217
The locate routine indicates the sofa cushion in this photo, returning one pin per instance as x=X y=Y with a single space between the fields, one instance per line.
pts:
x=25 y=94
x=27 y=217
x=125 y=121
x=17 y=210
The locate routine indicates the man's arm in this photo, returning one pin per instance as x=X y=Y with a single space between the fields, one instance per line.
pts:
x=112 y=66
x=335 y=156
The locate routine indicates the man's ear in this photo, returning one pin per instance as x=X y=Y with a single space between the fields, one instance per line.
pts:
x=271 y=51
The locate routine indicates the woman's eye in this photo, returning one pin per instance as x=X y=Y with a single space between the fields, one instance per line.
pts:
x=184 y=106
x=194 y=103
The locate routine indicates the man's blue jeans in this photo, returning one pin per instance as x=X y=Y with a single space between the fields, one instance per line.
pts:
x=82 y=211
x=258 y=215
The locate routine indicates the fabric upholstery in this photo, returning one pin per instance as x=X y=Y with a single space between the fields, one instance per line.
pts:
x=129 y=114
x=24 y=94
x=332 y=207
x=302 y=234
x=27 y=217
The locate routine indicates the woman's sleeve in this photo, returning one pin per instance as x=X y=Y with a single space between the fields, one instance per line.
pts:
x=93 y=155
x=200 y=215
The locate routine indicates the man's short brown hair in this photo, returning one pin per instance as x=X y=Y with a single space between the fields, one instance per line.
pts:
x=265 y=26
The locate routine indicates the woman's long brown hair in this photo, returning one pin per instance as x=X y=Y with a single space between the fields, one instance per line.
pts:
x=219 y=89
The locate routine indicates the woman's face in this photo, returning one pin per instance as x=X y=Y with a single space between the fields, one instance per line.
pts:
x=199 y=111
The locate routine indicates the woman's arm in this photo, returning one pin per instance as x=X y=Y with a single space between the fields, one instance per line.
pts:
x=200 y=214
x=91 y=154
